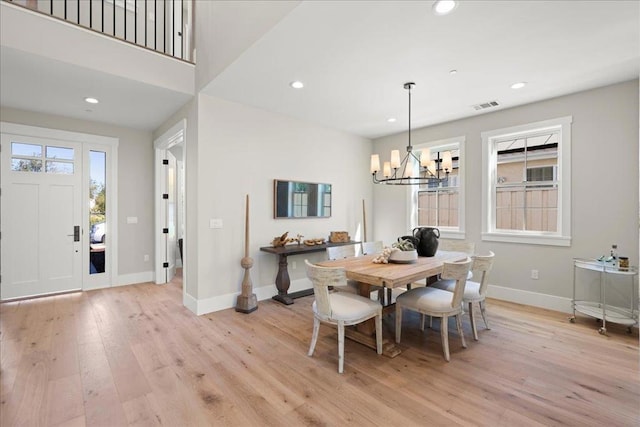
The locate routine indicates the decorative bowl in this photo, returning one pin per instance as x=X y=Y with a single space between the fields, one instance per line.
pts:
x=403 y=257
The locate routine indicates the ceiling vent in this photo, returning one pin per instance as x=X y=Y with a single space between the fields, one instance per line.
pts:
x=485 y=105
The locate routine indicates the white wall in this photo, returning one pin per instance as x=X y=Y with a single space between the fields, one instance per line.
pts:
x=604 y=199
x=240 y=151
x=135 y=185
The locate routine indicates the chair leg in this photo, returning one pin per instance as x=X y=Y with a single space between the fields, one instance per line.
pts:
x=484 y=314
x=340 y=347
x=379 y=333
x=389 y=295
x=314 y=336
x=431 y=322
x=381 y=296
x=459 y=325
x=398 y=322
x=473 y=322
x=444 y=332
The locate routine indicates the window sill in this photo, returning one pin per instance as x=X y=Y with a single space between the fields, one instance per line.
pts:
x=452 y=234
x=528 y=239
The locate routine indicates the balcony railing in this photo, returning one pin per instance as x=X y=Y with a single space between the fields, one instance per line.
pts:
x=164 y=26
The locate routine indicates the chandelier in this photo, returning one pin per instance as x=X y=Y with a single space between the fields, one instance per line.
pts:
x=401 y=172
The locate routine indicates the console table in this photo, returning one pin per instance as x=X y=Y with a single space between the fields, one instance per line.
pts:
x=282 y=278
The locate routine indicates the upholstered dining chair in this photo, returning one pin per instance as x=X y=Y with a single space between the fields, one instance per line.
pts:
x=473 y=291
x=436 y=302
x=339 y=308
x=352 y=286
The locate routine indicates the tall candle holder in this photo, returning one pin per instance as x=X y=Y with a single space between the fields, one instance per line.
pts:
x=247 y=301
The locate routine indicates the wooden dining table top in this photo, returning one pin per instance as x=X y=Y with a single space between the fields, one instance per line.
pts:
x=391 y=275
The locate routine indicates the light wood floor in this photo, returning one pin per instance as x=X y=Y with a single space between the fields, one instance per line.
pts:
x=135 y=356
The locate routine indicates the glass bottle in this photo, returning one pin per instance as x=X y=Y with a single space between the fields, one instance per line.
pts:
x=614 y=255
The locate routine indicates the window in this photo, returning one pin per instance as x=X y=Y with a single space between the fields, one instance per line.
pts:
x=29 y=158
x=441 y=203
x=527 y=183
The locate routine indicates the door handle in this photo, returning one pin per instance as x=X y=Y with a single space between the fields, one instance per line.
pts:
x=76 y=233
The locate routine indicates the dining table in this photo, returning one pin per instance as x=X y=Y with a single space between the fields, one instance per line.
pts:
x=392 y=275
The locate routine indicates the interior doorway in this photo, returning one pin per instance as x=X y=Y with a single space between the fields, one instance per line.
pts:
x=169 y=206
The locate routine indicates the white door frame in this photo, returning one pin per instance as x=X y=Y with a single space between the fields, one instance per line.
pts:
x=174 y=136
x=109 y=145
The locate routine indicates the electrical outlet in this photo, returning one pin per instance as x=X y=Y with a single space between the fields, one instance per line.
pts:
x=534 y=274
x=146 y=257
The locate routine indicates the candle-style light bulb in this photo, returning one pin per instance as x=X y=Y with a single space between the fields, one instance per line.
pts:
x=387 y=169
x=375 y=163
x=447 y=161
x=395 y=159
x=432 y=167
x=425 y=158
x=408 y=170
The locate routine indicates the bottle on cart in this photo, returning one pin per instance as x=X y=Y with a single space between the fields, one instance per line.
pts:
x=614 y=255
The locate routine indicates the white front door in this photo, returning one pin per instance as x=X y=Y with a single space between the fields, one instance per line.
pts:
x=41 y=209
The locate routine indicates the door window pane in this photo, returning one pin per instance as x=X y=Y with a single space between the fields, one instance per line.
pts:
x=59 y=153
x=27 y=150
x=97 y=211
x=26 y=165
x=65 y=168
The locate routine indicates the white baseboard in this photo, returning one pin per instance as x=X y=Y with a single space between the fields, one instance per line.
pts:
x=222 y=302
x=131 y=279
x=190 y=302
x=550 y=302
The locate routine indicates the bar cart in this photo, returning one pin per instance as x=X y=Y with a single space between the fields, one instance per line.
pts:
x=600 y=309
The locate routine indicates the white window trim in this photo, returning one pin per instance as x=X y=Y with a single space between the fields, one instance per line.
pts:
x=563 y=236
x=412 y=191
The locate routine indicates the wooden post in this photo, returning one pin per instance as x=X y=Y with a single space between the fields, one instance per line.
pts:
x=247 y=301
x=364 y=223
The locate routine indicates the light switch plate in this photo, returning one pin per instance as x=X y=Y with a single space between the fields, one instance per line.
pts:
x=132 y=220
x=215 y=223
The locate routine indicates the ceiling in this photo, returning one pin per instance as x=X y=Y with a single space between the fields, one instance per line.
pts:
x=355 y=56
x=35 y=83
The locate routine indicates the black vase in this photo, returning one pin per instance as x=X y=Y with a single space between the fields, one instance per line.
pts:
x=427 y=240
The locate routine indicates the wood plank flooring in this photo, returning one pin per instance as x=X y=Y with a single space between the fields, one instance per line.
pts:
x=134 y=356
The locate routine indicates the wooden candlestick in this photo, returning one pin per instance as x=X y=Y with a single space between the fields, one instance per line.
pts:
x=247 y=301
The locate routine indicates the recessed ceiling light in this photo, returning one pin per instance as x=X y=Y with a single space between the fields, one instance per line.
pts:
x=518 y=85
x=391 y=119
x=91 y=100
x=443 y=7
x=453 y=72
x=297 y=84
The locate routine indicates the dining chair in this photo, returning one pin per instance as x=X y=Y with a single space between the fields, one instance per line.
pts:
x=473 y=291
x=436 y=302
x=352 y=286
x=370 y=248
x=376 y=247
x=339 y=308
x=457 y=246
x=468 y=248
